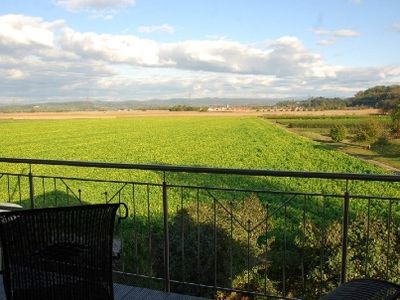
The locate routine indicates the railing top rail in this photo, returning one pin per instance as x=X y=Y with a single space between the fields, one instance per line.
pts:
x=207 y=170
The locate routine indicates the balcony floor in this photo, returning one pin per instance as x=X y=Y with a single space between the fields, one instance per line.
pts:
x=125 y=292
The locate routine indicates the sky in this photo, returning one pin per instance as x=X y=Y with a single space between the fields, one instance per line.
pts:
x=113 y=50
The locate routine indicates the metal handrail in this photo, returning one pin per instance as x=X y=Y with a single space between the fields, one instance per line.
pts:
x=208 y=170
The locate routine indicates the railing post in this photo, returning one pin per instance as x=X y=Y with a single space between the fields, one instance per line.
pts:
x=31 y=188
x=345 y=229
x=166 y=237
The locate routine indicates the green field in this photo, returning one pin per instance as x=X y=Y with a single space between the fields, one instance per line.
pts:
x=351 y=122
x=234 y=142
x=237 y=142
x=317 y=128
x=217 y=142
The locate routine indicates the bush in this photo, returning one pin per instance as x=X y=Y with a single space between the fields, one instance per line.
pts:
x=383 y=140
x=338 y=133
x=369 y=132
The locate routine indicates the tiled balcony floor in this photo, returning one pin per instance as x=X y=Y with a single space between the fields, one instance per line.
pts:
x=125 y=292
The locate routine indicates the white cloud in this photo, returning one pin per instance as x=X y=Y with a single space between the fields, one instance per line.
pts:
x=396 y=26
x=345 y=33
x=42 y=60
x=27 y=31
x=157 y=28
x=94 y=4
x=356 y=1
x=96 y=9
x=331 y=36
x=327 y=42
x=320 y=31
x=15 y=74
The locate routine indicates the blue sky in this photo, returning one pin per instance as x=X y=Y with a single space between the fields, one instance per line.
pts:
x=66 y=50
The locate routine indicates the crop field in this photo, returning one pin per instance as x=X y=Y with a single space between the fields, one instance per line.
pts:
x=240 y=142
x=232 y=142
x=327 y=121
x=318 y=127
x=237 y=142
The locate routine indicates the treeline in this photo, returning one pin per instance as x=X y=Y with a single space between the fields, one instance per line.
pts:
x=187 y=108
x=382 y=97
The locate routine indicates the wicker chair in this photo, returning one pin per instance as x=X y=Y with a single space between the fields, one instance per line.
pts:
x=58 y=253
x=361 y=289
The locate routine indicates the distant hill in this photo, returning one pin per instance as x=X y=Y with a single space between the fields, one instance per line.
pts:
x=97 y=105
x=384 y=97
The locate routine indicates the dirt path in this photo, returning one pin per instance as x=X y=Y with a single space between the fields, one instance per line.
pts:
x=376 y=163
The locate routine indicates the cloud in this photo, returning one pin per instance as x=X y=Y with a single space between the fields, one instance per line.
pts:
x=15 y=74
x=103 y=9
x=94 y=4
x=396 y=26
x=42 y=61
x=345 y=33
x=286 y=56
x=355 y=1
x=157 y=28
x=327 y=42
x=333 y=35
x=22 y=31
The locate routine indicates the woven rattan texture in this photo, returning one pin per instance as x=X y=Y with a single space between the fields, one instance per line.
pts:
x=361 y=289
x=58 y=253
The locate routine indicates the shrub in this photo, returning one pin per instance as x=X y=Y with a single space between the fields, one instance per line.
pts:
x=338 y=133
x=369 y=132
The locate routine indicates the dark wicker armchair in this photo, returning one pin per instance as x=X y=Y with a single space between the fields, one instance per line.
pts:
x=58 y=253
x=361 y=289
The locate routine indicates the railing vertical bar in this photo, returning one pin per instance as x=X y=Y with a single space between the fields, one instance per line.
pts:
x=367 y=238
x=284 y=251
x=322 y=243
x=149 y=230
x=44 y=191
x=182 y=237
x=266 y=248
x=8 y=188
x=167 y=284
x=248 y=250
x=19 y=189
x=105 y=197
x=31 y=188
x=230 y=244
x=198 y=233
x=121 y=231
x=135 y=229
x=345 y=229
x=215 y=242
x=303 y=242
x=55 y=190
x=389 y=223
x=67 y=193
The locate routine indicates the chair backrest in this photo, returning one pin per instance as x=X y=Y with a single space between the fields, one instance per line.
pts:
x=58 y=250
x=366 y=288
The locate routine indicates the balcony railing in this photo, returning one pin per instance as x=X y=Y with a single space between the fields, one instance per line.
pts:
x=217 y=231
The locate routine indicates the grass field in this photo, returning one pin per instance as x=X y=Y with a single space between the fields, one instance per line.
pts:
x=317 y=128
x=237 y=142
x=241 y=142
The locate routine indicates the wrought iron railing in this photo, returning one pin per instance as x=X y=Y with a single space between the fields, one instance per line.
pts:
x=217 y=231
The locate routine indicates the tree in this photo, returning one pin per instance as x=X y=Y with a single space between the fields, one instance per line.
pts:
x=396 y=121
x=369 y=132
x=338 y=133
